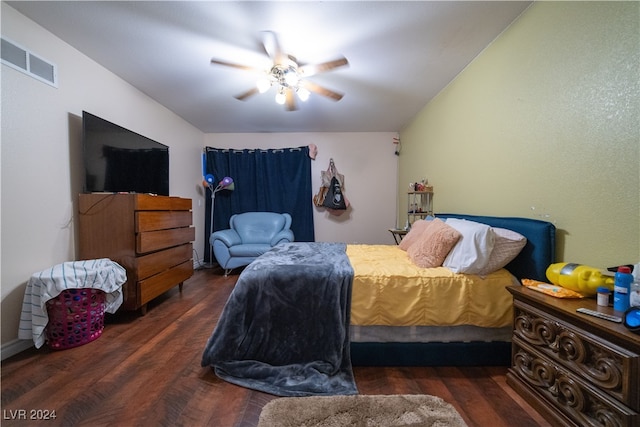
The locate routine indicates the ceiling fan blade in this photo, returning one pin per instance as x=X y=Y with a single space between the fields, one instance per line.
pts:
x=291 y=100
x=247 y=94
x=316 y=88
x=231 y=64
x=272 y=47
x=311 y=69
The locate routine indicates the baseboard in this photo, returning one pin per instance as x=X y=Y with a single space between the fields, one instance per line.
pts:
x=14 y=347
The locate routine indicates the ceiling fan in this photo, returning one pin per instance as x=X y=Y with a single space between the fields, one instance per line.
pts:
x=287 y=75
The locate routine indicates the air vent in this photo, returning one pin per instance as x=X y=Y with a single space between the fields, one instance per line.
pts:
x=21 y=59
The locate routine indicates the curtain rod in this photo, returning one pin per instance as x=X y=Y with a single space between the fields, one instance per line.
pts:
x=253 y=150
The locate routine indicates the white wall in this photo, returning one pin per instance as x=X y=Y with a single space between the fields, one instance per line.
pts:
x=369 y=165
x=42 y=162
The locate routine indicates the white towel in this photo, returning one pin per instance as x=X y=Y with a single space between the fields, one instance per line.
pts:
x=103 y=274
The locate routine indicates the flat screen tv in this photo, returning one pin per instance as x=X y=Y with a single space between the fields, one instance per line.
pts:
x=118 y=160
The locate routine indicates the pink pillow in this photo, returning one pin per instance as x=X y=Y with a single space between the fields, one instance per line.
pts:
x=414 y=234
x=434 y=245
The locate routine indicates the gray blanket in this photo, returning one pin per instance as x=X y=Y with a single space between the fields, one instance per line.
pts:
x=285 y=327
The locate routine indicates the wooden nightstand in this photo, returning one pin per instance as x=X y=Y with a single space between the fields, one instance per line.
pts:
x=574 y=369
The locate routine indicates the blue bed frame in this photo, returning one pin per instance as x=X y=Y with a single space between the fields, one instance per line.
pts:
x=531 y=263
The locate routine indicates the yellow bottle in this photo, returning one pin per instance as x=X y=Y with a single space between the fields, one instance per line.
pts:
x=578 y=277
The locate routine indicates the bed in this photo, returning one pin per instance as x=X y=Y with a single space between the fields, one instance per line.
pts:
x=458 y=341
x=303 y=314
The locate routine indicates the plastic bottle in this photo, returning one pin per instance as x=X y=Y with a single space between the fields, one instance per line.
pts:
x=603 y=296
x=634 y=293
x=622 y=288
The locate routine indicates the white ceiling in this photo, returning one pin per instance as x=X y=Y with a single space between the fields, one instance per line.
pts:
x=401 y=54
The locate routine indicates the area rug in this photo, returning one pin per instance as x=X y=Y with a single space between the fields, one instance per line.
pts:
x=360 y=411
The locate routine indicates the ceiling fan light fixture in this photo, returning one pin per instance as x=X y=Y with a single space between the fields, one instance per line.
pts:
x=303 y=94
x=291 y=77
x=287 y=75
x=281 y=98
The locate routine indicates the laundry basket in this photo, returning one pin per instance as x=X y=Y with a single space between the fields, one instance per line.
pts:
x=76 y=317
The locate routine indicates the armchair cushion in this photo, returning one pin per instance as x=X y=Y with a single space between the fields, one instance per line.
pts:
x=228 y=237
x=250 y=235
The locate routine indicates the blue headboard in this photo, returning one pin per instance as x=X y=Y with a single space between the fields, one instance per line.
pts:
x=538 y=253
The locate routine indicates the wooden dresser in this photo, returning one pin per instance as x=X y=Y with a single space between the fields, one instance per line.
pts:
x=575 y=369
x=150 y=236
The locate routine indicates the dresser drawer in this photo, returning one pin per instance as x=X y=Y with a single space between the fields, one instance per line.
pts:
x=147 y=202
x=156 y=285
x=151 y=241
x=161 y=220
x=598 y=362
x=154 y=263
x=572 y=396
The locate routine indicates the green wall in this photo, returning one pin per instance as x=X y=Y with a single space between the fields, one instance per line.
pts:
x=545 y=124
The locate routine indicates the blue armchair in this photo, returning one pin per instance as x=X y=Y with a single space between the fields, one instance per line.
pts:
x=250 y=235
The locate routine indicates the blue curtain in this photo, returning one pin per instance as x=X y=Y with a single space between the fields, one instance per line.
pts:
x=274 y=180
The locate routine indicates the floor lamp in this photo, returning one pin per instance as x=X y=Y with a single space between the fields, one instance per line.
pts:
x=226 y=184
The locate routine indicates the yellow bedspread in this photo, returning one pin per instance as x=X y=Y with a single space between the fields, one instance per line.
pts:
x=389 y=289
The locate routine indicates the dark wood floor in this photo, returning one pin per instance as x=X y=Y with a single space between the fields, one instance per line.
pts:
x=145 y=371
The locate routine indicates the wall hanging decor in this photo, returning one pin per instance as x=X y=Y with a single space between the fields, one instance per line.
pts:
x=331 y=193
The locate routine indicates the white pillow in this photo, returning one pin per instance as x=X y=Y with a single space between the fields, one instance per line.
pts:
x=508 y=244
x=472 y=252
